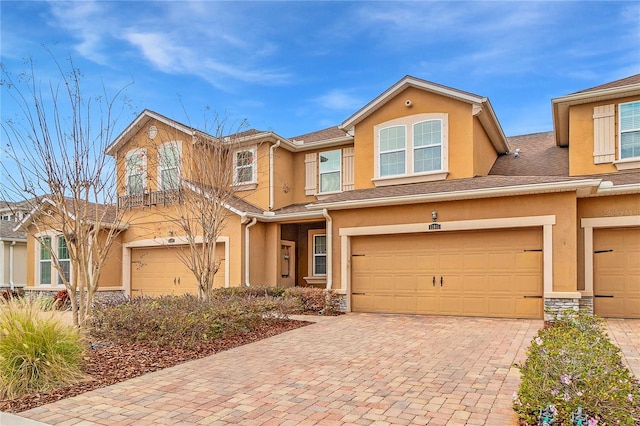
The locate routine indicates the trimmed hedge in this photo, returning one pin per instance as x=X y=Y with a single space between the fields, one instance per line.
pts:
x=178 y=321
x=573 y=363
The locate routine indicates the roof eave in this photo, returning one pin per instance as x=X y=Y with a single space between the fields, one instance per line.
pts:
x=461 y=195
x=491 y=125
x=263 y=217
x=560 y=107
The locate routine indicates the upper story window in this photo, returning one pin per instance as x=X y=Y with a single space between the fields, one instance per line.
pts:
x=629 y=130
x=393 y=153
x=327 y=172
x=136 y=171
x=427 y=146
x=169 y=166
x=411 y=149
x=330 y=171
x=245 y=166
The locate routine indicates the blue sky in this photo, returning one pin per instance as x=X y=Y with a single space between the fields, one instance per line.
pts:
x=297 y=67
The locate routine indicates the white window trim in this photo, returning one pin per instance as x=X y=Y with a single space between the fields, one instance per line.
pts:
x=405 y=149
x=254 y=169
x=178 y=147
x=129 y=154
x=631 y=162
x=320 y=192
x=313 y=278
x=409 y=176
x=54 y=272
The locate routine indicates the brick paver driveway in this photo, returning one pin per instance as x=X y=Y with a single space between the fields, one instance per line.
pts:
x=353 y=369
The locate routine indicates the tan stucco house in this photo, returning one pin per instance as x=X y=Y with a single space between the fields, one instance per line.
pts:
x=13 y=246
x=417 y=203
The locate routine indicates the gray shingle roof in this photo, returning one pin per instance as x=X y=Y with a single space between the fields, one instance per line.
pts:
x=321 y=135
x=627 y=81
x=7 y=232
x=539 y=156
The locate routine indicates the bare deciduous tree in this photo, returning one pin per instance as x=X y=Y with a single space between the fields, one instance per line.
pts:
x=56 y=160
x=213 y=166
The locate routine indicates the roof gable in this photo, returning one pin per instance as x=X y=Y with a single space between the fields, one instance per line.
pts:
x=482 y=108
x=407 y=81
x=143 y=118
x=629 y=86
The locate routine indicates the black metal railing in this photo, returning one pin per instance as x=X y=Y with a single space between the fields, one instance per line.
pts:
x=150 y=198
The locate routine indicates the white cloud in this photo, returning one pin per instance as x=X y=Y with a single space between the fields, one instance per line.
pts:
x=194 y=38
x=340 y=100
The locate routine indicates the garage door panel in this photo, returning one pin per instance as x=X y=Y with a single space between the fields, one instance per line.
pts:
x=403 y=304
x=475 y=283
x=632 y=306
x=475 y=306
x=610 y=261
x=502 y=307
x=609 y=306
x=529 y=308
x=450 y=305
x=475 y=262
x=426 y=304
x=528 y=285
x=403 y=283
x=527 y=261
x=497 y=261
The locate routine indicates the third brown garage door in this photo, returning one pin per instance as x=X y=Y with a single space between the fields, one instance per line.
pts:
x=616 y=272
x=471 y=273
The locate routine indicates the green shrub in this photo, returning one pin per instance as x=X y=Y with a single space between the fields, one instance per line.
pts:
x=573 y=363
x=178 y=321
x=252 y=291
x=38 y=352
x=314 y=300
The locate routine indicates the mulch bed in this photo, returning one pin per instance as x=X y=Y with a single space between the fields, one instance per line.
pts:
x=111 y=363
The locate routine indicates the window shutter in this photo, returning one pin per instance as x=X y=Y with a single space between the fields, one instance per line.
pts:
x=604 y=137
x=347 y=169
x=310 y=173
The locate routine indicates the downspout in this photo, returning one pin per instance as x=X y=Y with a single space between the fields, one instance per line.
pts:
x=271 y=185
x=325 y=213
x=246 y=251
x=11 y=285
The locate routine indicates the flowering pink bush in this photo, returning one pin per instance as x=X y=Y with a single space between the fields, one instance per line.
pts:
x=573 y=363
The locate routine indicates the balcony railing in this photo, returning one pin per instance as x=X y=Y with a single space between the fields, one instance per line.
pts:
x=151 y=198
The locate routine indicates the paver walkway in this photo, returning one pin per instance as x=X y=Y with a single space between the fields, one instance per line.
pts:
x=353 y=369
x=626 y=334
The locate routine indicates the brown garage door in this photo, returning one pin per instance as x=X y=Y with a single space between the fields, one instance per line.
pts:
x=484 y=273
x=616 y=272
x=159 y=271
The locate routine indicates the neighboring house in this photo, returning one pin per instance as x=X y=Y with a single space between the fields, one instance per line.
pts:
x=13 y=245
x=14 y=211
x=417 y=203
x=44 y=227
x=13 y=256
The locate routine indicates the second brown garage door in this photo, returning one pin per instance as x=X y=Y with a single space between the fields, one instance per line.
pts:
x=616 y=272
x=471 y=273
